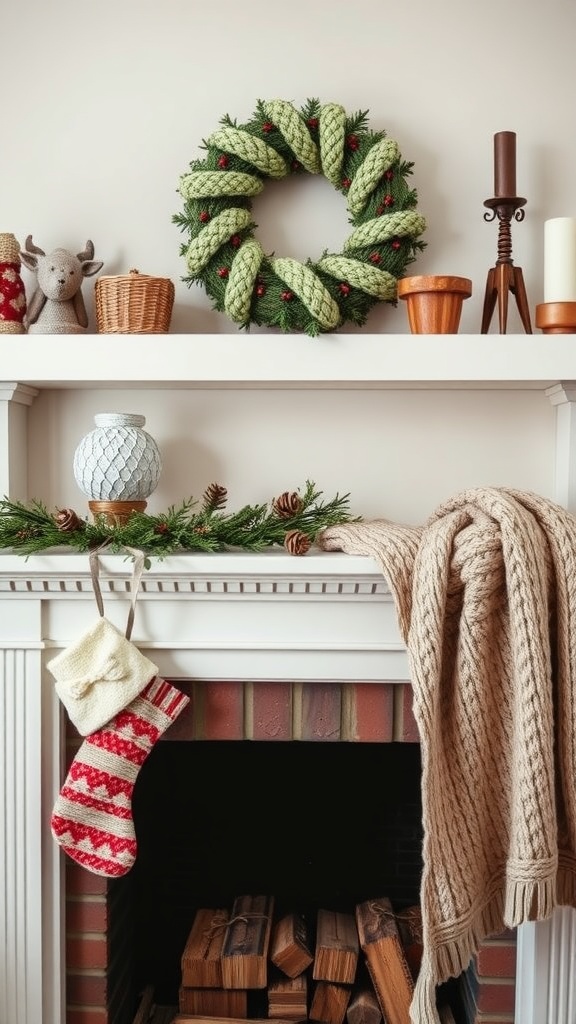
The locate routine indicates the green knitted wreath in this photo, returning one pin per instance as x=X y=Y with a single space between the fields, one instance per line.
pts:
x=223 y=254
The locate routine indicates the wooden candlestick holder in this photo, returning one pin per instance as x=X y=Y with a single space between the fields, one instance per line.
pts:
x=556 y=317
x=504 y=277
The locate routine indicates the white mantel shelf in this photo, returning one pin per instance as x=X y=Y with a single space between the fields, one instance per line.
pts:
x=240 y=360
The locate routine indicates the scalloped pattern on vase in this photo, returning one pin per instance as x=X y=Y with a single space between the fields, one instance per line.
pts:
x=118 y=460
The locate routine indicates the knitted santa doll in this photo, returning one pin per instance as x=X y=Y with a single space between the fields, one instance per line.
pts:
x=12 y=292
x=116 y=699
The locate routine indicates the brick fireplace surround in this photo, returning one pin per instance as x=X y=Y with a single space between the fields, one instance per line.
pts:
x=270 y=648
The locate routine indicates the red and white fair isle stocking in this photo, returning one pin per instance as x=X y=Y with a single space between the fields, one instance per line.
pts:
x=92 y=817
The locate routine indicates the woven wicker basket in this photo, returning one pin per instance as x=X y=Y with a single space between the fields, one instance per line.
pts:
x=133 y=303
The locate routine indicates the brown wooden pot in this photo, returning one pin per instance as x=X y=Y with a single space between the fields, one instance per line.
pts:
x=115 y=513
x=434 y=302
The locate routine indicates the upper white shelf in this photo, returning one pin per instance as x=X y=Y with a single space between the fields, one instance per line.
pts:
x=240 y=360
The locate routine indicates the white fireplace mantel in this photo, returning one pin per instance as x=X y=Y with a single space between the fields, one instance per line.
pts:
x=265 y=616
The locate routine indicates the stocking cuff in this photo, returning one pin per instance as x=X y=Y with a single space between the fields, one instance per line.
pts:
x=99 y=675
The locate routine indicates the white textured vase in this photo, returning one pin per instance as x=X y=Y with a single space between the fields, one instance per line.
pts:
x=118 y=460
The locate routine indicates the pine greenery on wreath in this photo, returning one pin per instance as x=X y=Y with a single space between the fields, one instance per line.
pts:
x=223 y=255
x=291 y=520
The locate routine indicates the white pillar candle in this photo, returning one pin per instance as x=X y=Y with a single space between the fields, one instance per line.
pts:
x=560 y=259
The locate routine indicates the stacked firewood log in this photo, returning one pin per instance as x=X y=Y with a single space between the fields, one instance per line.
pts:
x=358 y=966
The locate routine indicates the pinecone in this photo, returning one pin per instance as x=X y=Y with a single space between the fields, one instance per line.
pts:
x=215 y=496
x=287 y=505
x=67 y=521
x=296 y=542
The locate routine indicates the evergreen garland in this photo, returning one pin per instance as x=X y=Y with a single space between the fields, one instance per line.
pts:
x=292 y=521
x=326 y=300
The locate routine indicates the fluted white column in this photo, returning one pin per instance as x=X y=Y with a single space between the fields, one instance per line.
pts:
x=31 y=961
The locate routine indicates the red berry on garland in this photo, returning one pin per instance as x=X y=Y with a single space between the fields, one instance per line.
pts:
x=223 y=271
x=286 y=296
x=346 y=182
x=344 y=288
x=389 y=175
x=204 y=216
x=312 y=122
x=388 y=200
x=235 y=241
x=380 y=209
x=295 y=166
x=161 y=528
x=375 y=257
x=352 y=142
x=223 y=161
x=267 y=126
x=260 y=290
x=396 y=243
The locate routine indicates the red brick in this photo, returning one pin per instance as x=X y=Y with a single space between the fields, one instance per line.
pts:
x=272 y=711
x=223 y=711
x=321 y=711
x=496 y=997
x=80 y=882
x=497 y=961
x=408 y=731
x=86 y=989
x=86 y=1015
x=87 y=916
x=373 y=712
x=83 y=953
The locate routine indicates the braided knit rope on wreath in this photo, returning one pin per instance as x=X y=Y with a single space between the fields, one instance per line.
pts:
x=378 y=283
x=309 y=288
x=328 y=159
x=243 y=274
x=254 y=151
x=332 y=133
x=382 y=229
x=206 y=244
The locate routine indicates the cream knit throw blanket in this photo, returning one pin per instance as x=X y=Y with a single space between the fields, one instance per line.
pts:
x=485 y=595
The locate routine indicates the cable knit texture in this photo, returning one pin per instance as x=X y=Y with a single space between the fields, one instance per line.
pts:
x=485 y=594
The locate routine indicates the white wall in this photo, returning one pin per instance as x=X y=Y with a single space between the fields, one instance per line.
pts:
x=105 y=105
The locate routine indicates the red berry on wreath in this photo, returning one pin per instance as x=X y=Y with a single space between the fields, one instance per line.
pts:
x=346 y=182
x=396 y=243
x=380 y=209
x=375 y=257
x=352 y=142
x=223 y=271
x=388 y=200
x=204 y=216
x=223 y=161
x=267 y=126
x=260 y=290
x=235 y=241
x=389 y=175
x=312 y=122
x=295 y=166
x=286 y=296
x=344 y=288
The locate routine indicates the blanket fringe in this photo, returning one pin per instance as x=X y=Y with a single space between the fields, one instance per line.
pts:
x=529 y=901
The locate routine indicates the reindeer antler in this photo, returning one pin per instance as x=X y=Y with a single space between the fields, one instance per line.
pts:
x=30 y=247
x=88 y=253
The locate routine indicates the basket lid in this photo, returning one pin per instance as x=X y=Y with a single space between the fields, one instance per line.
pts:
x=132 y=275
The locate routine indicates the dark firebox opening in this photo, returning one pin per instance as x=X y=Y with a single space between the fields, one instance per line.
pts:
x=316 y=825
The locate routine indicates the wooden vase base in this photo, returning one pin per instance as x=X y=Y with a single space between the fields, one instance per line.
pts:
x=556 y=317
x=115 y=513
